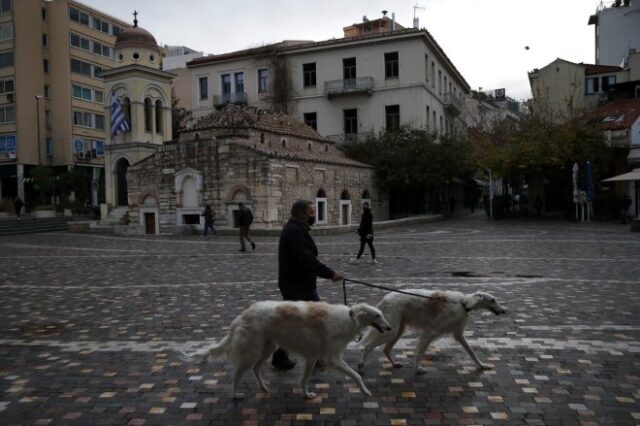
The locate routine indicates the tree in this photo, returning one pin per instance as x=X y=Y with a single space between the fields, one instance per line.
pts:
x=180 y=117
x=43 y=182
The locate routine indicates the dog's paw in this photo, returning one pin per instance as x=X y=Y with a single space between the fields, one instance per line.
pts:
x=360 y=365
x=367 y=392
x=310 y=395
x=238 y=395
x=265 y=389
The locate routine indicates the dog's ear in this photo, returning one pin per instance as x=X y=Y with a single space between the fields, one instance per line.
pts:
x=470 y=301
x=351 y=313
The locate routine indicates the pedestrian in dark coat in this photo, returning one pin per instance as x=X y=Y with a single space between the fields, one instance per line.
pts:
x=298 y=265
x=245 y=219
x=209 y=218
x=17 y=206
x=365 y=230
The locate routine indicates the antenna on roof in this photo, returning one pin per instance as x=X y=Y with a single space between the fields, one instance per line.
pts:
x=384 y=13
x=416 y=20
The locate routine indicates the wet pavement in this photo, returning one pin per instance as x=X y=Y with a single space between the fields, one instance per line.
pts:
x=90 y=326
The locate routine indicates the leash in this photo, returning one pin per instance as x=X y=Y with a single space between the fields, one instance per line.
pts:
x=381 y=287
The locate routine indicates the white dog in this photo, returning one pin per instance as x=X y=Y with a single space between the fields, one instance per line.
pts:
x=444 y=312
x=314 y=330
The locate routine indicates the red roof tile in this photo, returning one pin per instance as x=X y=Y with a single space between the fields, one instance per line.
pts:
x=616 y=115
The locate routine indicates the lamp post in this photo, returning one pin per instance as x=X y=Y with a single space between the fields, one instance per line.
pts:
x=38 y=97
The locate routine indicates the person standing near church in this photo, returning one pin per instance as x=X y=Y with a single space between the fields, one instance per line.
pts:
x=209 y=217
x=365 y=230
x=298 y=266
x=245 y=219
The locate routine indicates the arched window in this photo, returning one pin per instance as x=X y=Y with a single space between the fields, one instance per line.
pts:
x=321 y=193
x=158 y=116
x=284 y=143
x=321 y=207
x=147 y=114
x=309 y=146
x=366 y=195
x=127 y=112
x=326 y=148
x=345 y=195
x=197 y=136
x=189 y=192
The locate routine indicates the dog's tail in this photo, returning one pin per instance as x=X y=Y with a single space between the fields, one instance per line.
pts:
x=215 y=350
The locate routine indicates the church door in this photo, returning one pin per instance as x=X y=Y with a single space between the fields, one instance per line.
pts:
x=121 y=179
x=150 y=223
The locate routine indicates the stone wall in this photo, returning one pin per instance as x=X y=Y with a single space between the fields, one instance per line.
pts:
x=272 y=181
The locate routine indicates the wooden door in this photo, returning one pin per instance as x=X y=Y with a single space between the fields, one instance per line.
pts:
x=150 y=223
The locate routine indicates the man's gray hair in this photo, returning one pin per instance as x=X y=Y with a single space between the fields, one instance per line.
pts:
x=299 y=207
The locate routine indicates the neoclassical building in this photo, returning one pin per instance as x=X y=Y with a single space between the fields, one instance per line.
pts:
x=243 y=154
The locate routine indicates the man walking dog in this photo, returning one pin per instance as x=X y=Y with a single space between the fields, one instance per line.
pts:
x=298 y=265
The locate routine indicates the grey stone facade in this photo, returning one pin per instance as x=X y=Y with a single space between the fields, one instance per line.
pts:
x=245 y=161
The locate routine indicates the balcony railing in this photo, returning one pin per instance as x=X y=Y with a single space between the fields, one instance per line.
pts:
x=349 y=86
x=452 y=103
x=349 y=138
x=230 y=98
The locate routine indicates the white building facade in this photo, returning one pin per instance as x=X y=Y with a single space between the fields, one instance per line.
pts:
x=348 y=88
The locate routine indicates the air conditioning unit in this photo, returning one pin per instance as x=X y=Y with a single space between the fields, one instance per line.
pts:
x=499 y=93
x=12 y=155
x=603 y=99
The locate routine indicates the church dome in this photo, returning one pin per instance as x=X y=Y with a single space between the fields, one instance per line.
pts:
x=136 y=37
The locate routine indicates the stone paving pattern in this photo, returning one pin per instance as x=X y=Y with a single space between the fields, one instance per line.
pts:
x=90 y=324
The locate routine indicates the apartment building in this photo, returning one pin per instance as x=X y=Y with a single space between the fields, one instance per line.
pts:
x=617 y=30
x=52 y=98
x=379 y=75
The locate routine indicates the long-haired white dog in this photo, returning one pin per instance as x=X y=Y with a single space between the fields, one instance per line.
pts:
x=315 y=330
x=444 y=312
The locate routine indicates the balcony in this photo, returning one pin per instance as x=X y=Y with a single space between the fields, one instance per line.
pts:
x=453 y=104
x=349 y=138
x=238 y=98
x=350 y=86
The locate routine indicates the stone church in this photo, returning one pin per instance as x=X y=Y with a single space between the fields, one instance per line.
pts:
x=238 y=154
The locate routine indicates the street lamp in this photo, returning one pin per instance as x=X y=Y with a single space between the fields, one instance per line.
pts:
x=38 y=97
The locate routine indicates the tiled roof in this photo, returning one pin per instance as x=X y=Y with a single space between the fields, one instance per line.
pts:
x=616 y=115
x=591 y=69
x=250 y=117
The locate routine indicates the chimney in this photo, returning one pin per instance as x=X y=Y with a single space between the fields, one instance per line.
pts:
x=416 y=23
x=393 y=21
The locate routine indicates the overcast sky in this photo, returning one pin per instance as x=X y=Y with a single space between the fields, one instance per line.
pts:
x=485 y=39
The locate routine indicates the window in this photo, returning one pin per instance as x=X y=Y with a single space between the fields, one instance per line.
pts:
x=101 y=49
x=6 y=86
x=98 y=96
x=311 y=120
x=350 y=121
x=48 y=147
x=45 y=40
x=7 y=113
x=309 y=74
x=391 y=65
x=147 y=114
x=440 y=81
x=6 y=31
x=426 y=68
x=5 y=6
x=593 y=85
x=239 y=82
x=47 y=119
x=85 y=68
x=433 y=74
x=47 y=91
x=115 y=30
x=349 y=69
x=428 y=117
x=100 y=25
x=87 y=148
x=263 y=81
x=608 y=81
x=203 y=84
x=44 y=14
x=87 y=93
x=45 y=66
x=392 y=117
x=158 y=116
x=434 y=121
x=225 y=84
x=88 y=119
x=77 y=16
x=6 y=59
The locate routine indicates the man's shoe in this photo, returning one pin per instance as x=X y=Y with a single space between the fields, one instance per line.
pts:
x=320 y=365
x=253 y=245
x=374 y=261
x=354 y=261
x=286 y=364
x=242 y=250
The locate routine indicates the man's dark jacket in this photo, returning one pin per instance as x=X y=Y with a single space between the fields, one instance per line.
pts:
x=366 y=224
x=298 y=264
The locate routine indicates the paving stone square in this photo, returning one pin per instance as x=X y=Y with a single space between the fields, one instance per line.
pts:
x=91 y=326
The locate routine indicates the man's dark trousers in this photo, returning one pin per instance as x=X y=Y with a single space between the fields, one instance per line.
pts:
x=280 y=356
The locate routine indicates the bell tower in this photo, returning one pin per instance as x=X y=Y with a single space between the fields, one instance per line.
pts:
x=140 y=92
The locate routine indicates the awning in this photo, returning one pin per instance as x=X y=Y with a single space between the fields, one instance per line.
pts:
x=634 y=175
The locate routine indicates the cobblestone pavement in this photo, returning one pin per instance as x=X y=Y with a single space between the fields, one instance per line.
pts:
x=89 y=327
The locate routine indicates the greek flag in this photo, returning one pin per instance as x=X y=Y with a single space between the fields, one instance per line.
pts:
x=118 y=121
